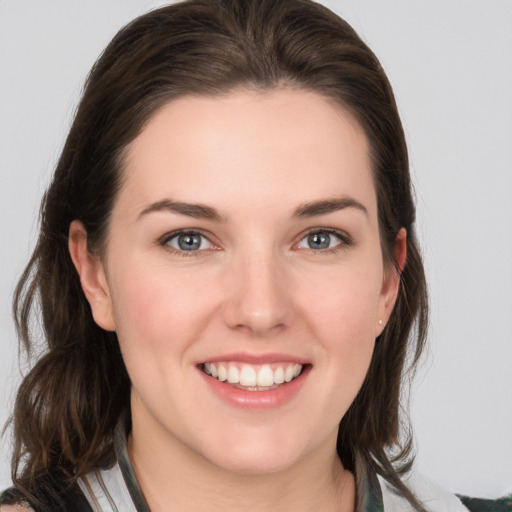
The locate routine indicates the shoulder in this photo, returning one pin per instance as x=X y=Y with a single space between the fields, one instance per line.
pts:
x=485 y=505
x=12 y=501
x=430 y=494
x=48 y=500
x=437 y=499
x=7 y=504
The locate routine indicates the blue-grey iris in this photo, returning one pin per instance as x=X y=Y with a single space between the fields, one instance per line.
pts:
x=189 y=242
x=319 y=240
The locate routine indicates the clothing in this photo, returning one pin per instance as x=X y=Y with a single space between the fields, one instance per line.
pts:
x=117 y=490
x=106 y=492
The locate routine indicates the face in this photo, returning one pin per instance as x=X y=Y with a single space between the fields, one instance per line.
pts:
x=244 y=276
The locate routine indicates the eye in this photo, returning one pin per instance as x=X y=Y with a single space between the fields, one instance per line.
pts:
x=189 y=241
x=322 y=239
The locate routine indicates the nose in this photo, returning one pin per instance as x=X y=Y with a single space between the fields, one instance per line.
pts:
x=258 y=298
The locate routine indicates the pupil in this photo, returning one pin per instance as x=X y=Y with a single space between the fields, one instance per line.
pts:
x=319 y=241
x=189 y=242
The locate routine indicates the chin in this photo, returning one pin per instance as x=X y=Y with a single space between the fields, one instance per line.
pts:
x=255 y=453
x=254 y=464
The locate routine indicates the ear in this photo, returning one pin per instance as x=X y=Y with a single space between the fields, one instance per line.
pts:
x=391 y=281
x=92 y=276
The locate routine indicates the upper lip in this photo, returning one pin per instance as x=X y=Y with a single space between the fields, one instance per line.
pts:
x=251 y=358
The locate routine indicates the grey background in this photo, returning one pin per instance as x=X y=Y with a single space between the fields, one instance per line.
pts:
x=450 y=62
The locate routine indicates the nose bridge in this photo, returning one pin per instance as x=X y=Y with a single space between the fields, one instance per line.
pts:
x=257 y=300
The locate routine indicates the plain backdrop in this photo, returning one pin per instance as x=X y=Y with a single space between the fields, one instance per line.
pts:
x=450 y=62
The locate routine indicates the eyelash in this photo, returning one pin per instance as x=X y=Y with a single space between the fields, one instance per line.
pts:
x=164 y=242
x=344 y=239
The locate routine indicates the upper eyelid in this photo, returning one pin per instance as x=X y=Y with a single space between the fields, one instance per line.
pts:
x=184 y=231
x=343 y=235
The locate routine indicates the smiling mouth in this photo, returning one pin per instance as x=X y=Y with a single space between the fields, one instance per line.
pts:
x=253 y=377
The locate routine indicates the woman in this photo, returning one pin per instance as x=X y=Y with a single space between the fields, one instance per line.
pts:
x=228 y=275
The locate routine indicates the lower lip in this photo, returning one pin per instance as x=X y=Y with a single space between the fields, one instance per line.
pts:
x=255 y=400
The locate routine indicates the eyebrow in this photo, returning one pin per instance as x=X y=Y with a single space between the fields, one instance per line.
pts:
x=201 y=211
x=327 y=206
x=197 y=211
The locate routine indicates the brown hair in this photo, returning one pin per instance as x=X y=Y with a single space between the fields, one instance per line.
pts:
x=70 y=401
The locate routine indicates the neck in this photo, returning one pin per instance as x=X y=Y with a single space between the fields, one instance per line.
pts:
x=171 y=474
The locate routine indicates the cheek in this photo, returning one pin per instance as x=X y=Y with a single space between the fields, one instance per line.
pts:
x=157 y=309
x=343 y=305
x=343 y=315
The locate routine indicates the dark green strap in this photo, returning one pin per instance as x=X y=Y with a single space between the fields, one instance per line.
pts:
x=369 y=493
x=483 y=505
x=126 y=468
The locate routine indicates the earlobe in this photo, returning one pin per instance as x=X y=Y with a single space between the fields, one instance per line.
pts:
x=92 y=276
x=391 y=282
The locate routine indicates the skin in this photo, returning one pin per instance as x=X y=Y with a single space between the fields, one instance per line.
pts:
x=255 y=286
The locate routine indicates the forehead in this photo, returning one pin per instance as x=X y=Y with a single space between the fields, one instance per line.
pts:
x=283 y=145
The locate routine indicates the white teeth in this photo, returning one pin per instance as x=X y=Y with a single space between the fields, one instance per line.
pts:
x=247 y=376
x=265 y=376
x=233 y=374
x=279 y=375
x=250 y=376
x=222 y=373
